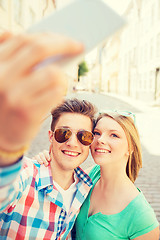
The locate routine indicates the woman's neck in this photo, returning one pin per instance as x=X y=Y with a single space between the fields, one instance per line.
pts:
x=111 y=177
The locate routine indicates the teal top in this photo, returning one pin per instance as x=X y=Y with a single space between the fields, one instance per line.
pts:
x=135 y=220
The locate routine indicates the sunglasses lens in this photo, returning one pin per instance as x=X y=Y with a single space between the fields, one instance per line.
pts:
x=62 y=135
x=127 y=114
x=85 y=137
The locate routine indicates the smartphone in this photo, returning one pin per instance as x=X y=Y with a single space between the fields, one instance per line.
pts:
x=88 y=21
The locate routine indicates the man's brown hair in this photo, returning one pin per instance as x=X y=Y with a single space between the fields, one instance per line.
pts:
x=73 y=106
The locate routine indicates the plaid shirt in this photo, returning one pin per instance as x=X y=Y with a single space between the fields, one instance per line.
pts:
x=30 y=205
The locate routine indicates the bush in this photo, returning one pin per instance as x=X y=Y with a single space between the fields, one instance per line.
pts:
x=82 y=69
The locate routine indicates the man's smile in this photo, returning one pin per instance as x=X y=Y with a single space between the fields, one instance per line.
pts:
x=71 y=153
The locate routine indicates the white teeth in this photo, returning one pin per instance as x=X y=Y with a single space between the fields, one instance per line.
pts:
x=101 y=151
x=71 y=153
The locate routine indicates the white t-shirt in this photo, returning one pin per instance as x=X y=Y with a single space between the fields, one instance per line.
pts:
x=67 y=194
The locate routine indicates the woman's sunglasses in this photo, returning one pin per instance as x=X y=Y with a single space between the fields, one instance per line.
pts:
x=123 y=113
x=61 y=135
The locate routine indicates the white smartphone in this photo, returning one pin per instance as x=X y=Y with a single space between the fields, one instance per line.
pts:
x=88 y=21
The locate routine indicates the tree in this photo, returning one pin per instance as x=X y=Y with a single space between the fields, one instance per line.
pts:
x=82 y=69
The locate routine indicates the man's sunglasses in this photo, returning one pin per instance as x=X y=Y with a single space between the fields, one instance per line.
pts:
x=61 y=135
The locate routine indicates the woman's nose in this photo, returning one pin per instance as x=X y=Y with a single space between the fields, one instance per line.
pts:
x=102 y=139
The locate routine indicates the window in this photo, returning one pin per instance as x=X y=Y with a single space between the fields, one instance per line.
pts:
x=32 y=17
x=152 y=14
x=147 y=52
x=158 y=8
x=17 y=11
x=151 y=80
x=140 y=81
x=158 y=45
x=143 y=55
x=3 y=4
x=151 y=48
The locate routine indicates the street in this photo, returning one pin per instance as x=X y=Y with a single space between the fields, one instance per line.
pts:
x=148 y=124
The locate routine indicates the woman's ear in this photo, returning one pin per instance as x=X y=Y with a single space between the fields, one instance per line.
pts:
x=50 y=135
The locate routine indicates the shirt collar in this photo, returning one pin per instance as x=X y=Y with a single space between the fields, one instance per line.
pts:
x=45 y=176
x=82 y=176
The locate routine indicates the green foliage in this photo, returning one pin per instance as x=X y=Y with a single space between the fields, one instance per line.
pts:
x=82 y=69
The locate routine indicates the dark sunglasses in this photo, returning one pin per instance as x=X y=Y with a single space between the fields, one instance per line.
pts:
x=61 y=135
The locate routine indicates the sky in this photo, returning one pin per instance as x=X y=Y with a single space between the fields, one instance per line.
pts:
x=117 y=5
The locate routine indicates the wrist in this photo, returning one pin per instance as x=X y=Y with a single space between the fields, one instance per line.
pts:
x=10 y=157
x=11 y=162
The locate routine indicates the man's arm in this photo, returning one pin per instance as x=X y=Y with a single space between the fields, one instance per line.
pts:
x=26 y=94
x=13 y=181
x=8 y=187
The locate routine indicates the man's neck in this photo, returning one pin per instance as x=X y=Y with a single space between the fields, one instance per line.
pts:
x=62 y=177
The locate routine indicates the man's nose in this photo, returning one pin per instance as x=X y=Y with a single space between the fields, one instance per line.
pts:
x=73 y=141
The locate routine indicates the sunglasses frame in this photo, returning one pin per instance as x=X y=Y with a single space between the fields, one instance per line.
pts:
x=71 y=131
x=120 y=112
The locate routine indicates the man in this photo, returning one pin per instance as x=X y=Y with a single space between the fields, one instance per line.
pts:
x=42 y=203
x=26 y=95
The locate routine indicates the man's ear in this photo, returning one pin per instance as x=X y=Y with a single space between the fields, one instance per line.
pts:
x=50 y=135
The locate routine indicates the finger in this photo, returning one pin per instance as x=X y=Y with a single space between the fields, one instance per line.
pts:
x=44 y=104
x=50 y=76
x=5 y=36
x=13 y=44
x=42 y=48
x=46 y=164
x=46 y=154
x=38 y=158
x=28 y=112
x=40 y=83
x=43 y=158
x=50 y=44
x=49 y=159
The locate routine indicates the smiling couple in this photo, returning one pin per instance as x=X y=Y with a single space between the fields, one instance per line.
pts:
x=43 y=202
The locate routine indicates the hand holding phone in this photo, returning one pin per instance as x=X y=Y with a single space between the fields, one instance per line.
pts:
x=88 y=21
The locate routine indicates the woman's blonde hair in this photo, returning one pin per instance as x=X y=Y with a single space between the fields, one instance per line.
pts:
x=135 y=154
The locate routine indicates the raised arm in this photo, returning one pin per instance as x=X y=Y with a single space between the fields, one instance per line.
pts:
x=26 y=95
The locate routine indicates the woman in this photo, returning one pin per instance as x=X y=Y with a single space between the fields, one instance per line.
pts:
x=115 y=209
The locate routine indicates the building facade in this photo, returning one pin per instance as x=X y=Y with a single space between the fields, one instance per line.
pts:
x=131 y=60
x=18 y=15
